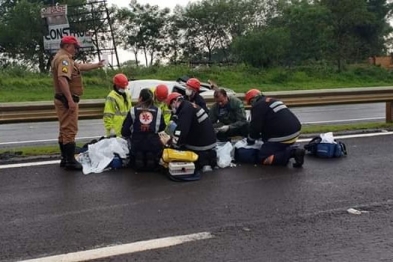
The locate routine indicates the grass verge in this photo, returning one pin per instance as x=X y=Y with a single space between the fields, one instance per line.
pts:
x=306 y=130
x=19 y=86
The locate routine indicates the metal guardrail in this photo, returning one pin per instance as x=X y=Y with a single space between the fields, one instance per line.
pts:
x=93 y=109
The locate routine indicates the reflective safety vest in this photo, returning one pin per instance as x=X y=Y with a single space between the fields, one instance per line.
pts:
x=165 y=110
x=146 y=120
x=115 y=112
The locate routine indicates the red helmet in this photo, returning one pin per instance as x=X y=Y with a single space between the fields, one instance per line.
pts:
x=172 y=96
x=120 y=80
x=70 y=40
x=161 y=92
x=251 y=94
x=194 y=83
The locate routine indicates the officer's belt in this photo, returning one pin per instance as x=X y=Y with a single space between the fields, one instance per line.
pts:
x=62 y=98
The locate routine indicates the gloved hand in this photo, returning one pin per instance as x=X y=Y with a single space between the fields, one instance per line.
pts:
x=223 y=129
x=250 y=141
x=164 y=137
x=171 y=127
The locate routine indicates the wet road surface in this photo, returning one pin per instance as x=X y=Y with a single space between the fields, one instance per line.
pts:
x=253 y=213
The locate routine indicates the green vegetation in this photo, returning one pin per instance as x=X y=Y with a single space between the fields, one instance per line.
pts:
x=18 y=86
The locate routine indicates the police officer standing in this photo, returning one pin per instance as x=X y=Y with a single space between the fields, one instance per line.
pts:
x=117 y=105
x=194 y=131
x=68 y=88
x=278 y=127
x=228 y=116
x=193 y=85
x=142 y=124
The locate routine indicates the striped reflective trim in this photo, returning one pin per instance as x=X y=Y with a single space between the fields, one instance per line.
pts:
x=202 y=118
x=109 y=114
x=284 y=138
x=158 y=119
x=200 y=112
x=277 y=103
x=132 y=111
x=201 y=148
x=276 y=109
x=277 y=106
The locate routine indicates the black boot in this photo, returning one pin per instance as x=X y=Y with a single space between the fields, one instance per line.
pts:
x=71 y=163
x=298 y=155
x=63 y=157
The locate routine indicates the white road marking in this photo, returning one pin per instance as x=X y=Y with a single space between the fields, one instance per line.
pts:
x=42 y=163
x=124 y=249
x=353 y=136
x=42 y=141
x=300 y=141
x=343 y=121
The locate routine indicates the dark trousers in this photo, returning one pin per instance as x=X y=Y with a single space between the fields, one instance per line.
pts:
x=274 y=153
x=232 y=132
x=147 y=149
x=206 y=158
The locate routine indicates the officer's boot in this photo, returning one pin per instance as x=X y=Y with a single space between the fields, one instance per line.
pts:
x=63 y=157
x=298 y=155
x=71 y=163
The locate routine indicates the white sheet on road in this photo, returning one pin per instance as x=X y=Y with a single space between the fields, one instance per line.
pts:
x=100 y=154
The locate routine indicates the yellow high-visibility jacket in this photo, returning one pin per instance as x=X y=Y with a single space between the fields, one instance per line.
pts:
x=115 y=112
x=165 y=111
x=164 y=108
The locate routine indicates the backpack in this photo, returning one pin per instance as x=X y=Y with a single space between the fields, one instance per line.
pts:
x=325 y=150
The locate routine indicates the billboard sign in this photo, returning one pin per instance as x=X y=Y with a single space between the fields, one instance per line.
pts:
x=58 y=26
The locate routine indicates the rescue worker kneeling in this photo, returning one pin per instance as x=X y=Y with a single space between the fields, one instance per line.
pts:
x=142 y=124
x=278 y=127
x=194 y=131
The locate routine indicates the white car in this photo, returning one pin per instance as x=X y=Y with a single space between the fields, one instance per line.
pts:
x=135 y=87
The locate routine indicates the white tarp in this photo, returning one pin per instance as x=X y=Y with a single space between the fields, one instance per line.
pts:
x=100 y=154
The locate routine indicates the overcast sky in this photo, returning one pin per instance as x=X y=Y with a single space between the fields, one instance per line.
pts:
x=123 y=54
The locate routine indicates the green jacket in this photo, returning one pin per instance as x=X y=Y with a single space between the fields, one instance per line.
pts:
x=115 y=112
x=235 y=115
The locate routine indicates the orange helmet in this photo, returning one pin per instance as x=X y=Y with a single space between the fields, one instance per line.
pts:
x=194 y=83
x=70 y=40
x=251 y=94
x=161 y=92
x=120 y=80
x=172 y=96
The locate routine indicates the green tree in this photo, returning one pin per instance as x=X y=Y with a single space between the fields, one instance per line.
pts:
x=19 y=39
x=309 y=28
x=263 y=47
x=346 y=16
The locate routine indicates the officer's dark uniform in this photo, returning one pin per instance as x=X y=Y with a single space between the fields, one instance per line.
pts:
x=195 y=132
x=143 y=125
x=197 y=99
x=278 y=127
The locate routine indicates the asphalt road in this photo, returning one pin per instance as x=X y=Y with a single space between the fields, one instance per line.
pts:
x=12 y=135
x=253 y=213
